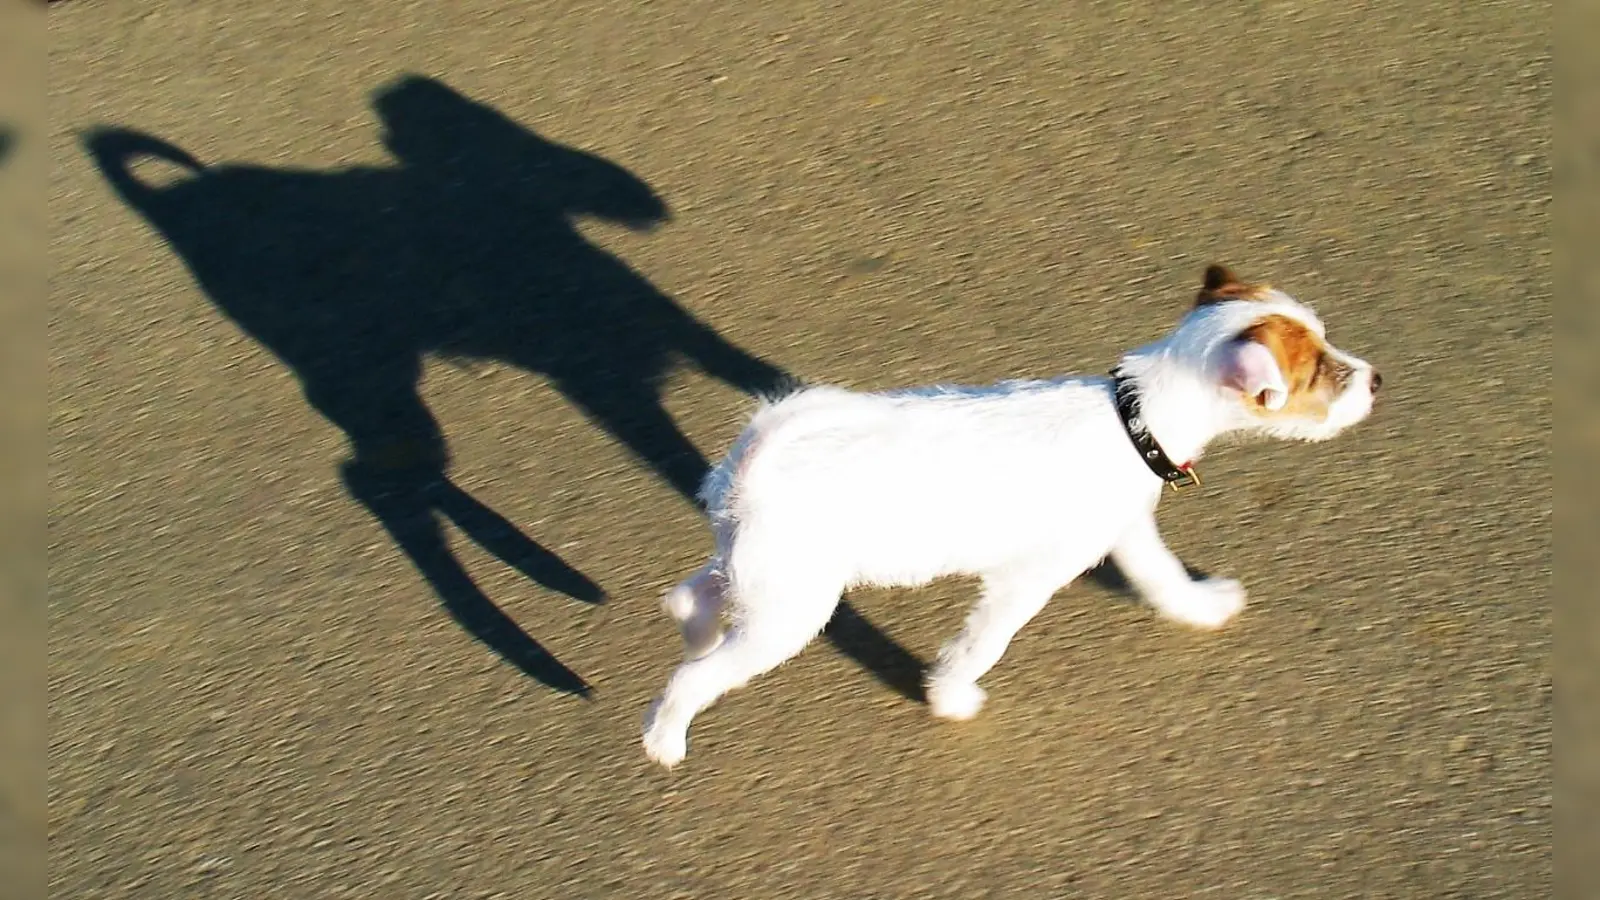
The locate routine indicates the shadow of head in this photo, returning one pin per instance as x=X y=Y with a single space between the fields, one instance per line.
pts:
x=427 y=125
x=438 y=135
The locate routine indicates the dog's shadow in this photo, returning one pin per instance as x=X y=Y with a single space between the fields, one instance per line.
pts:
x=464 y=248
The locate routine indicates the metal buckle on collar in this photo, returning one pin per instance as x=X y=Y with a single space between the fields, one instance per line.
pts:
x=1190 y=478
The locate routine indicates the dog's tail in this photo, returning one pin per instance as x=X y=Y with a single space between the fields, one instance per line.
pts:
x=697 y=606
x=700 y=602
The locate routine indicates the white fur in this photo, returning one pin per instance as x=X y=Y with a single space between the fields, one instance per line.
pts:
x=1025 y=484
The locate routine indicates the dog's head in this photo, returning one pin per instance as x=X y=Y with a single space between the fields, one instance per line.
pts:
x=1270 y=357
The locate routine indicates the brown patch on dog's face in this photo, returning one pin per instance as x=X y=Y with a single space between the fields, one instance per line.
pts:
x=1314 y=376
x=1221 y=285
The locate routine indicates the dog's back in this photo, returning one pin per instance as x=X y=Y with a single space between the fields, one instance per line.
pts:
x=903 y=487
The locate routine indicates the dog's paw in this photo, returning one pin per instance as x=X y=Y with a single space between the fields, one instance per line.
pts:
x=666 y=745
x=956 y=702
x=1203 y=604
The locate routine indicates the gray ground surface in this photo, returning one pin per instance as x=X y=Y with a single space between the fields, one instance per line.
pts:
x=270 y=679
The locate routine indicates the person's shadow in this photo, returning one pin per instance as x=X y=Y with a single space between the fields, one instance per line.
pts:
x=465 y=248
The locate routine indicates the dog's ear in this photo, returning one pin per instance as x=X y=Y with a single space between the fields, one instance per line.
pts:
x=1219 y=276
x=1251 y=369
x=1220 y=284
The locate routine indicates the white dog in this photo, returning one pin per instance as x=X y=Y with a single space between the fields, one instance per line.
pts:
x=1024 y=484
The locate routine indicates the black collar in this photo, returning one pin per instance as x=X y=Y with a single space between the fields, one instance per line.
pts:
x=1127 y=398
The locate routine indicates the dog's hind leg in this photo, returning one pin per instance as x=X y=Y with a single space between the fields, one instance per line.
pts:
x=697 y=605
x=760 y=640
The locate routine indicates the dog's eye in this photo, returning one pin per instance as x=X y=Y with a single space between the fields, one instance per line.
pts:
x=1329 y=371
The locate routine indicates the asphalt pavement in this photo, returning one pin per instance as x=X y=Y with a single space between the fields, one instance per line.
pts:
x=387 y=340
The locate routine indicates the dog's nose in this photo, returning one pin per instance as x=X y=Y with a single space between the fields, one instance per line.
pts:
x=1377 y=381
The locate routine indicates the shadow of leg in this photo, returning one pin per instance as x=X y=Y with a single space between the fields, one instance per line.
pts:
x=400 y=502
x=867 y=644
x=495 y=534
x=730 y=364
x=634 y=416
x=1111 y=578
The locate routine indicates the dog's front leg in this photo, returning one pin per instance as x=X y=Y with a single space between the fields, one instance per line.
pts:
x=1009 y=600
x=1161 y=579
